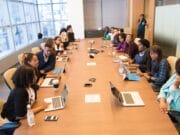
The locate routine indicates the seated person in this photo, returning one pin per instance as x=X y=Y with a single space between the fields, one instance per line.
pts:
x=64 y=38
x=106 y=33
x=143 y=58
x=158 y=69
x=115 y=36
x=40 y=35
x=169 y=96
x=70 y=33
x=15 y=108
x=58 y=45
x=112 y=33
x=31 y=60
x=131 y=48
x=48 y=41
x=122 y=45
x=62 y=30
x=47 y=58
x=120 y=30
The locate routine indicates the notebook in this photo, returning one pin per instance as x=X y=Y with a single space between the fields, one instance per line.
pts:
x=57 y=102
x=127 y=98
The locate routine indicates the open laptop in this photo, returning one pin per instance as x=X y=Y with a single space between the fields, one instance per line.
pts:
x=127 y=98
x=63 y=59
x=47 y=82
x=63 y=70
x=57 y=102
x=130 y=76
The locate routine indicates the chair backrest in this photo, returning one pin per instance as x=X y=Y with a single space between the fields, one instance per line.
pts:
x=8 y=77
x=35 y=50
x=172 y=61
x=1 y=105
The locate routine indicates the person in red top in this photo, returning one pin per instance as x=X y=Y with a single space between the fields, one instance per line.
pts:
x=122 y=44
x=131 y=48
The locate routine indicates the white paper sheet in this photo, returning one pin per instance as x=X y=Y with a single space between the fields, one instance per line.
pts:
x=91 y=63
x=92 y=98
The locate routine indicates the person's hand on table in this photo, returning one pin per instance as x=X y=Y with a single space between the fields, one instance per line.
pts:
x=163 y=106
x=45 y=105
x=40 y=81
x=139 y=73
x=177 y=83
x=147 y=76
x=133 y=65
x=51 y=75
x=42 y=71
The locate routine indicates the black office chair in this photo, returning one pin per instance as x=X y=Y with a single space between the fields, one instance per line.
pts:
x=9 y=128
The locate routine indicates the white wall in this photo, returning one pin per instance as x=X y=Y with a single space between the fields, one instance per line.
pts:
x=92 y=14
x=167 y=29
x=115 y=13
x=76 y=17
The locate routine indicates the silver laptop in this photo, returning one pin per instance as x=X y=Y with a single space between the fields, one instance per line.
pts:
x=57 y=102
x=127 y=98
x=47 y=82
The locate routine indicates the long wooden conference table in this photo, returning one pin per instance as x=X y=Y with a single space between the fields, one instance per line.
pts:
x=106 y=117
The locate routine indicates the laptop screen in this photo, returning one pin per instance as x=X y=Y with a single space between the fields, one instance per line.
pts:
x=116 y=93
x=65 y=92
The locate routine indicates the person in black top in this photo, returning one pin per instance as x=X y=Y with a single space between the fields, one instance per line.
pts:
x=31 y=60
x=16 y=106
x=40 y=35
x=58 y=45
x=141 y=26
x=64 y=38
x=70 y=33
x=143 y=58
x=47 y=57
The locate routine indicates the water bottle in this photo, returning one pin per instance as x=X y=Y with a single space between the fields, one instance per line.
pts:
x=30 y=116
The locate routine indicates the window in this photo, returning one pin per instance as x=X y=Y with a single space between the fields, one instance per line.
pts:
x=21 y=20
x=59 y=1
x=43 y=1
x=4 y=18
x=16 y=12
x=30 y=1
x=59 y=25
x=60 y=11
x=6 y=41
x=45 y=12
x=30 y=16
x=47 y=28
x=20 y=35
x=32 y=30
x=53 y=16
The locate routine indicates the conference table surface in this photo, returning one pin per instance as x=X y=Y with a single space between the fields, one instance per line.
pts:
x=106 y=117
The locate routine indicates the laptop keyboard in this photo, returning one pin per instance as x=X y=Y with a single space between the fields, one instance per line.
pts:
x=56 y=102
x=128 y=98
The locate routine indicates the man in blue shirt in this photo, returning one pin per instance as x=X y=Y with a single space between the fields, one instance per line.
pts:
x=47 y=58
